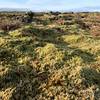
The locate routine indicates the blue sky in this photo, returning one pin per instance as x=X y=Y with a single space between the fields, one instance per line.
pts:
x=44 y=5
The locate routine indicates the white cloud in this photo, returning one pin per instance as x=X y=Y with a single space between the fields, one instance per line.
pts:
x=11 y=5
x=37 y=1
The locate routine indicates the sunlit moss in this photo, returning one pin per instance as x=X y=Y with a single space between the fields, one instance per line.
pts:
x=7 y=94
x=74 y=62
x=15 y=33
x=24 y=60
x=72 y=38
x=50 y=54
x=2 y=41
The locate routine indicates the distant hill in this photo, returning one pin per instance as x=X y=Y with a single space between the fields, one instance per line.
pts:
x=13 y=9
x=86 y=9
